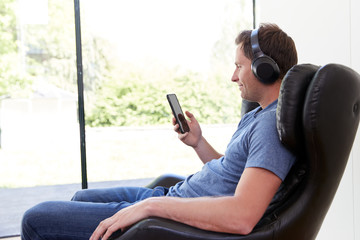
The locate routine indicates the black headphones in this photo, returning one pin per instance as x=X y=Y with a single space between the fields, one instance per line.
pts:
x=264 y=67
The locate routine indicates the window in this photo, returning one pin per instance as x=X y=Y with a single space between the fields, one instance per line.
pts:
x=137 y=52
x=134 y=53
x=38 y=118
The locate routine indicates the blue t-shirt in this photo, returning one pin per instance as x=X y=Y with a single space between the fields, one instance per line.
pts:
x=254 y=144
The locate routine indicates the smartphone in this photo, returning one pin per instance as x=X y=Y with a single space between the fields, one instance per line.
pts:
x=178 y=113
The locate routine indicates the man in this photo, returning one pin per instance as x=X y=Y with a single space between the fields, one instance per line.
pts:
x=230 y=193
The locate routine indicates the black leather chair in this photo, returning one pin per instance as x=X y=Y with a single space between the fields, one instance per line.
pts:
x=317 y=116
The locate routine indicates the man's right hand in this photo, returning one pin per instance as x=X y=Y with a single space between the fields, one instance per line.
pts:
x=193 y=137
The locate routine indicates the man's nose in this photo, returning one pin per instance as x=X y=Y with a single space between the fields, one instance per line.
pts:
x=235 y=77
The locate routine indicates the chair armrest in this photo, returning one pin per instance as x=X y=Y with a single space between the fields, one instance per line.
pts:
x=166 y=180
x=165 y=229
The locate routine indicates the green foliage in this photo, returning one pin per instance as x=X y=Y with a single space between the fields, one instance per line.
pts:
x=127 y=103
x=132 y=99
x=133 y=95
x=118 y=93
x=11 y=80
x=7 y=27
x=51 y=50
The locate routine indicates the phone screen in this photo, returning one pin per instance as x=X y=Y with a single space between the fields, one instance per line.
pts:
x=178 y=113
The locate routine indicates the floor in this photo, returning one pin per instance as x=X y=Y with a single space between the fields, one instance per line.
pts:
x=14 y=202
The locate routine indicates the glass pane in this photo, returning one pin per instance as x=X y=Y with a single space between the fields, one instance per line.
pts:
x=39 y=134
x=134 y=53
x=39 y=128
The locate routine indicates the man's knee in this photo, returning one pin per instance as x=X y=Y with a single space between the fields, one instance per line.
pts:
x=87 y=195
x=31 y=215
x=32 y=219
x=79 y=196
x=27 y=219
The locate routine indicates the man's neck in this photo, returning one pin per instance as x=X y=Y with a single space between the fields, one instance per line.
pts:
x=271 y=95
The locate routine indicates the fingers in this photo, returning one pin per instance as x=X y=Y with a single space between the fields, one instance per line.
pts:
x=104 y=230
x=99 y=231
x=182 y=117
x=109 y=232
x=176 y=128
x=189 y=114
x=182 y=136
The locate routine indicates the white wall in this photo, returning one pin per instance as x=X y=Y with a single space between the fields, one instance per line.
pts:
x=326 y=31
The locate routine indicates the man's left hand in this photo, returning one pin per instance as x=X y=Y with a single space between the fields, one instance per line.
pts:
x=120 y=220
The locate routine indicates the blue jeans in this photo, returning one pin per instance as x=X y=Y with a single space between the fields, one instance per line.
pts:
x=78 y=218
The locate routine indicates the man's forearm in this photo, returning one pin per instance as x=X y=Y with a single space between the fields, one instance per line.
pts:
x=232 y=214
x=221 y=214
x=205 y=151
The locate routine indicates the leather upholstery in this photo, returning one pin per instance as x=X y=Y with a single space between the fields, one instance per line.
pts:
x=247 y=106
x=166 y=180
x=318 y=116
x=291 y=103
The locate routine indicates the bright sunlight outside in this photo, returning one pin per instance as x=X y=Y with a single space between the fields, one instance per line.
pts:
x=134 y=53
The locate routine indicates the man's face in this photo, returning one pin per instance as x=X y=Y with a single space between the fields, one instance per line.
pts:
x=249 y=85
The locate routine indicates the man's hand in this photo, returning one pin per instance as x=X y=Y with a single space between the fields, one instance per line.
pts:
x=193 y=137
x=120 y=220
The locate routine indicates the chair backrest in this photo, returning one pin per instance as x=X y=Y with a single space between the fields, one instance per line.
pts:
x=247 y=106
x=317 y=117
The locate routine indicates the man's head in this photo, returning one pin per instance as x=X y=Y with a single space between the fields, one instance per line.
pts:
x=274 y=43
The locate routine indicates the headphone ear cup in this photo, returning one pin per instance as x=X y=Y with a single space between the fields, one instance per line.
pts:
x=265 y=69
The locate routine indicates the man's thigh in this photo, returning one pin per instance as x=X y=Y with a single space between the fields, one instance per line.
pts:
x=77 y=219
x=66 y=220
x=120 y=194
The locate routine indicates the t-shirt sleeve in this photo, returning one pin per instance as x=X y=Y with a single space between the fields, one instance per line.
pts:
x=265 y=149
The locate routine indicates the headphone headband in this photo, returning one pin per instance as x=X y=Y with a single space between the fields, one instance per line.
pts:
x=255 y=46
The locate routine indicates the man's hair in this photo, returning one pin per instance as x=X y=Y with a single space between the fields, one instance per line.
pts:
x=273 y=42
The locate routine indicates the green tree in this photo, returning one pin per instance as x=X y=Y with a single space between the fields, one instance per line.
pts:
x=12 y=81
x=127 y=97
x=118 y=93
x=52 y=51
